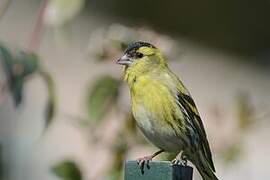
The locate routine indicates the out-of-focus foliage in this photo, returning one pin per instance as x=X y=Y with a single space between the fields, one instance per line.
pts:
x=108 y=44
x=119 y=151
x=232 y=153
x=51 y=102
x=244 y=119
x=29 y=62
x=102 y=96
x=67 y=170
x=59 y=12
x=18 y=67
x=244 y=111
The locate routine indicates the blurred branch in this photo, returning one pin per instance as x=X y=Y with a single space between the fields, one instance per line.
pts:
x=4 y=6
x=36 y=34
x=50 y=107
x=3 y=90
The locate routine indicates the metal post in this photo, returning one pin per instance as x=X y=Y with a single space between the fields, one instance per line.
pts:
x=159 y=170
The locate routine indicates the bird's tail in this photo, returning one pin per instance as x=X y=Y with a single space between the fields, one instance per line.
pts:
x=204 y=167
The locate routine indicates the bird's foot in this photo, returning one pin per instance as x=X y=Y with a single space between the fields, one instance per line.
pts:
x=180 y=161
x=144 y=161
x=176 y=161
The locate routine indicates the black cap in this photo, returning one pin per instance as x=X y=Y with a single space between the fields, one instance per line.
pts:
x=136 y=45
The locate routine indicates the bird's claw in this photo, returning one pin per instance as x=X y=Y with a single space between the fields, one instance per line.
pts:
x=144 y=161
x=175 y=161
x=182 y=162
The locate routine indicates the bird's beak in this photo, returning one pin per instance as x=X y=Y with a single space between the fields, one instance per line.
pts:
x=124 y=60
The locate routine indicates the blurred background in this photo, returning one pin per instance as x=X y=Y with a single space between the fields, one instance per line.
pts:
x=64 y=109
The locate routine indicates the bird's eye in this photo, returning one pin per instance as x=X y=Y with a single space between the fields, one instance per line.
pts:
x=139 y=55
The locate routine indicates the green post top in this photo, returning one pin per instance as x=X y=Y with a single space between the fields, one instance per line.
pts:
x=159 y=170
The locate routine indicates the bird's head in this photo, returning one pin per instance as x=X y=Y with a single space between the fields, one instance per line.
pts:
x=141 y=57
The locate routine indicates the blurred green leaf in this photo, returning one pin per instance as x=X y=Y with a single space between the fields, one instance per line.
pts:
x=17 y=68
x=16 y=88
x=6 y=60
x=232 y=153
x=244 y=111
x=23 y=64
x=67 y=170
x=29 y=62
x=51 y=102
x=20 y=66
x=101 y=96
x=13 y=70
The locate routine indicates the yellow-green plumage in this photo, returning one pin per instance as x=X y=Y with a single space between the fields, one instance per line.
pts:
x=163 y=107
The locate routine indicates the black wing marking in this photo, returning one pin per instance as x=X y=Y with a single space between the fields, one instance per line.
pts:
x=186 y=105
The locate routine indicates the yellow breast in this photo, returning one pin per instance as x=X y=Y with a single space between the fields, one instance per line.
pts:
x=155 y=98
x=154 y=107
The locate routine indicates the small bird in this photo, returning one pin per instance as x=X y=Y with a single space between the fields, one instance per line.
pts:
x=164 y=110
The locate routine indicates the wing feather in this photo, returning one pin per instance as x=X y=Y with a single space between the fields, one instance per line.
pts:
x=188 y=107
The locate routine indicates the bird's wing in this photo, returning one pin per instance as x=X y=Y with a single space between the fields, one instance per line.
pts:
x=192 y=117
